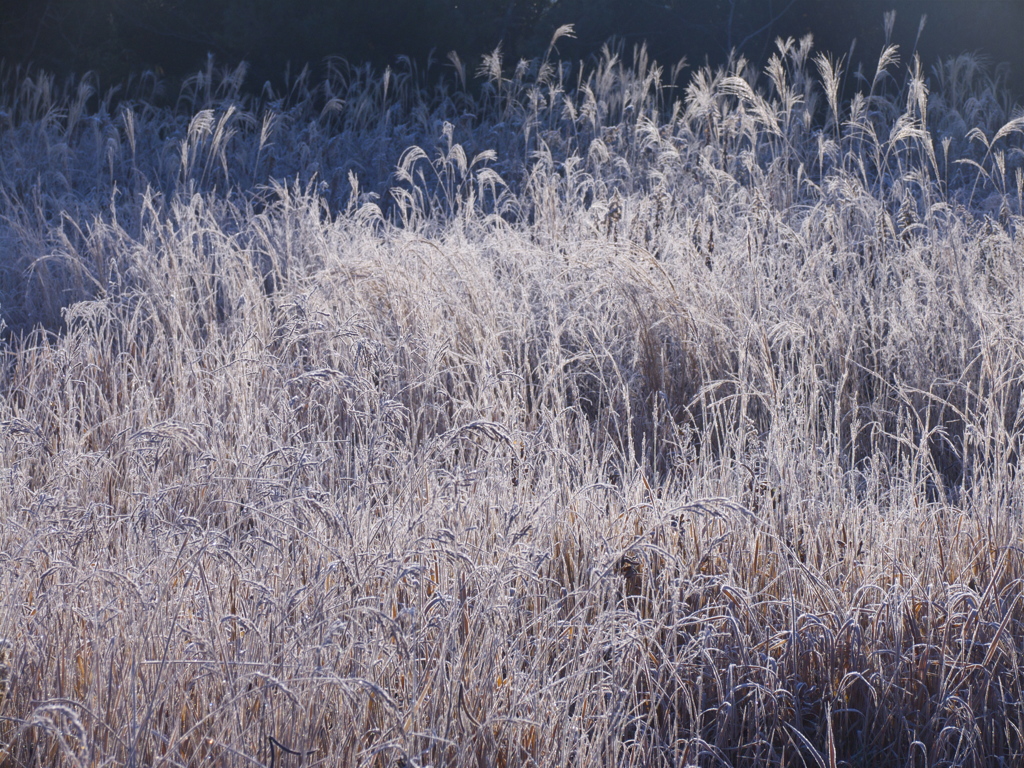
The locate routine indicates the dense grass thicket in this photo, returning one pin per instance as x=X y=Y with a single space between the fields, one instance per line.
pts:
x=547 y=415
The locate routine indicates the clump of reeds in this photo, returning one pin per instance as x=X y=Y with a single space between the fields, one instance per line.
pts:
x=586 y=418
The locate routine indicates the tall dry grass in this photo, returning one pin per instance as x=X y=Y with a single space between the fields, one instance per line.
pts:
x=590 y=417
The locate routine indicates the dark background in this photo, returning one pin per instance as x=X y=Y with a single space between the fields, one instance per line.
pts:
x=116 y=38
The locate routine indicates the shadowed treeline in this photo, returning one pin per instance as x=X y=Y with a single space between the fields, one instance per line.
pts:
x=116 y=38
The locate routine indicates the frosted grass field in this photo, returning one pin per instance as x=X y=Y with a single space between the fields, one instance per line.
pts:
x=547 y=415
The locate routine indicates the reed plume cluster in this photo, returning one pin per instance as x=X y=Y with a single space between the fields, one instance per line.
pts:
x=544 y=415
